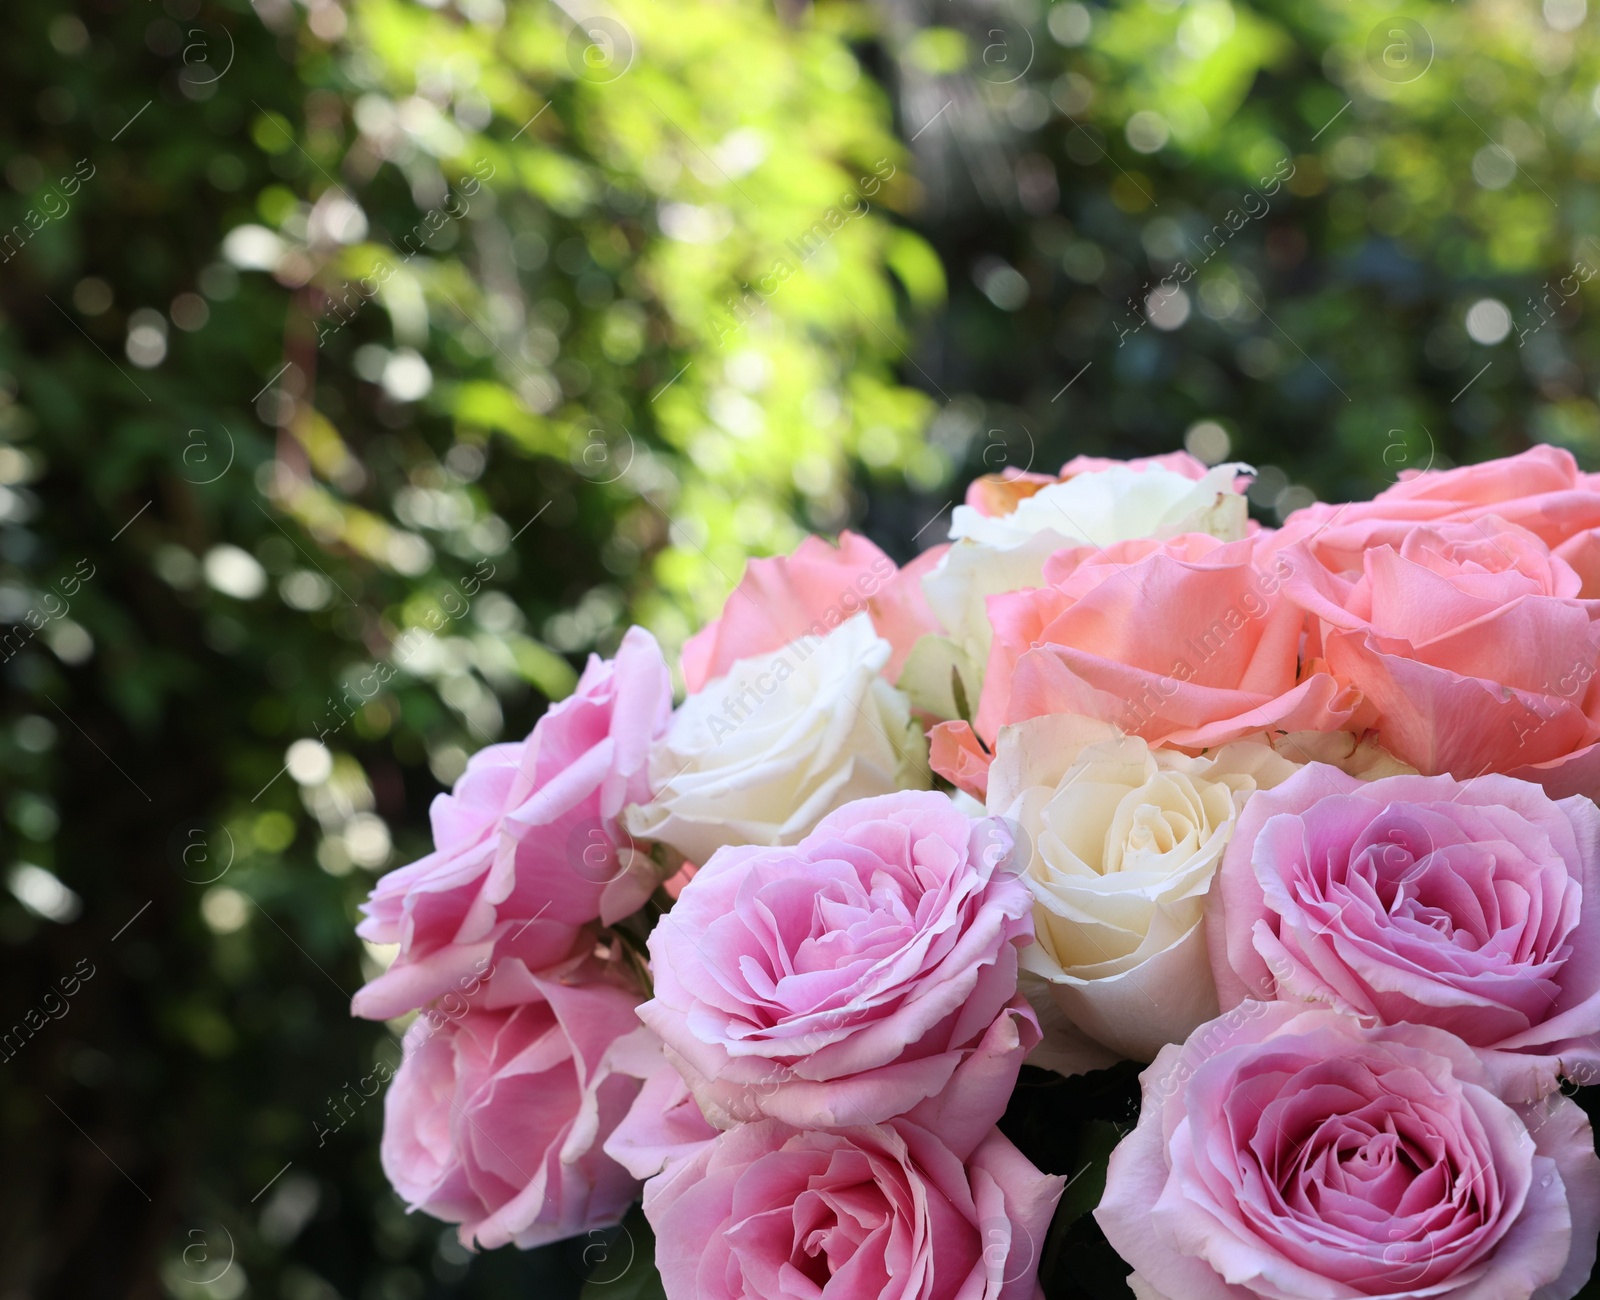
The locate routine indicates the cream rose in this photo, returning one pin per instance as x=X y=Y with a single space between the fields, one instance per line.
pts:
x=999 y=553
x=1119 y=844
x=762 y=755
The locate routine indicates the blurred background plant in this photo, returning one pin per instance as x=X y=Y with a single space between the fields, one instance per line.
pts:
x=1335 y=240
x=366 y=366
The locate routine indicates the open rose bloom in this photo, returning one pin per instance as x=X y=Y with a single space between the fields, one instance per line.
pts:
x=495 y=1118
x=766 y=1210
x=528 y=847
x=1464 y=621
x=1124 y=843
x=1289 y=1154
x=845 y=945
x=1471 y=906
x=869 y=972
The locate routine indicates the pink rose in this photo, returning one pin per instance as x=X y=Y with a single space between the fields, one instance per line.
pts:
x=1470 y=906
x=1470 y=648
x=495 y=1119
x=1284 y=1154
x=526 y=845
x=809 y=593
x=767 y=1212
x=870 y=971
x=1185 y=643
x=664 y=1125
x=1541 y=490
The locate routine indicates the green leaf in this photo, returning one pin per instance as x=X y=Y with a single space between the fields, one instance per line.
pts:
x=959 y=692
x=913 y=260
x=1086 y=1185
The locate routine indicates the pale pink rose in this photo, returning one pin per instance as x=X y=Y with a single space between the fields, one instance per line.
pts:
x=1541 y=490
x=809 y=593
x=664 y=1125
x=1470 y=649
x=495 y=1118
x=768 y=1212
x=1184 y=642
x=1286 y=1154
x=1470 y=906
x=870 y=971
x=526 y=847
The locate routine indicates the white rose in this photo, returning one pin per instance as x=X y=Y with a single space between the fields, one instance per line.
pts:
x=995 y=554
x=1119 y=844
x=763 y=754
x=1117 y=504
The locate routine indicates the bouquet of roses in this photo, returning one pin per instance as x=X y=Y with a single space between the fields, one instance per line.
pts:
x=1298 y=821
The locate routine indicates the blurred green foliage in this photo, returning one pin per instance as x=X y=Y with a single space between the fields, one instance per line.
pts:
x=365 y=367
x=1321 y=194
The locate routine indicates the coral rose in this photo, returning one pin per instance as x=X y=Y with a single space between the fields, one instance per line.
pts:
x=809 y=593
x=1541 y=490
x=1470 y=648
x=1185 y=643
x=1011 y=526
